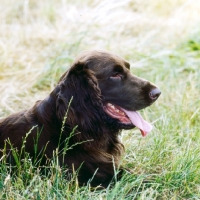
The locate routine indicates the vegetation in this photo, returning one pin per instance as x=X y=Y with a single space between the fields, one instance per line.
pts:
x=161 y=39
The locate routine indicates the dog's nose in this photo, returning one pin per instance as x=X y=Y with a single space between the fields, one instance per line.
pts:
x=154 y=94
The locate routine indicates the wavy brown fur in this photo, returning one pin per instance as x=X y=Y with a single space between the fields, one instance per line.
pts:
x=78 y=101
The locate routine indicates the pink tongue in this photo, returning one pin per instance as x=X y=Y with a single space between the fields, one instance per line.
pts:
x=135 y=117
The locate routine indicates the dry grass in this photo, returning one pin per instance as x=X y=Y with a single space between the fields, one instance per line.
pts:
x=39 y=40
x=33 y=34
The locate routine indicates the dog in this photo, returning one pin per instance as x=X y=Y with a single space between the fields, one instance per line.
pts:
x=82 y=117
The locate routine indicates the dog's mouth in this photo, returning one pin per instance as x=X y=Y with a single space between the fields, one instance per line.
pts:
x=128 y=117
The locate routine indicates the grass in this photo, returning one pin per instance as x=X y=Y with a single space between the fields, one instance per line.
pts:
x=38 y=42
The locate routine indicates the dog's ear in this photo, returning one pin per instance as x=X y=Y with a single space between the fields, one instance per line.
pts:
x=79 y=97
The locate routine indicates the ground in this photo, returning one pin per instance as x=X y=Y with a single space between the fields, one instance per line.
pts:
x=40 y=39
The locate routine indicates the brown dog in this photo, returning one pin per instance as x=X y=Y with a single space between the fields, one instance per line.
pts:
x=99 y=96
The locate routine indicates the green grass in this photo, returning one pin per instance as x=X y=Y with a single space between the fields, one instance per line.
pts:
x=38 y=42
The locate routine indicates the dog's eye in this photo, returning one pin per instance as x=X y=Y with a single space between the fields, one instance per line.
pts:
x=116 y=76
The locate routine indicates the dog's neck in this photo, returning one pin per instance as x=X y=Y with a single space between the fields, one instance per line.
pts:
x=84 y=130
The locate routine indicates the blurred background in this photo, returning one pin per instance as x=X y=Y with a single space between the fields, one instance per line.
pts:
x=40 y=39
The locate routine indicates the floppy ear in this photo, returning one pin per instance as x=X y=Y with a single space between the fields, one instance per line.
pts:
x=79 y=88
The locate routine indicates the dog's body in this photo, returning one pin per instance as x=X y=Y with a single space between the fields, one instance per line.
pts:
x=91 y=100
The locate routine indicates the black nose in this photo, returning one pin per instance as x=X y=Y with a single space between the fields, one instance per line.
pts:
x=154 y=94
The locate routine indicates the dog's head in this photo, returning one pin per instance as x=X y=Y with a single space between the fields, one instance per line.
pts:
x=101 y=84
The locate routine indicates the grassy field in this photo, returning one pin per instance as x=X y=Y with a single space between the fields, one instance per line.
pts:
x=161 y=39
